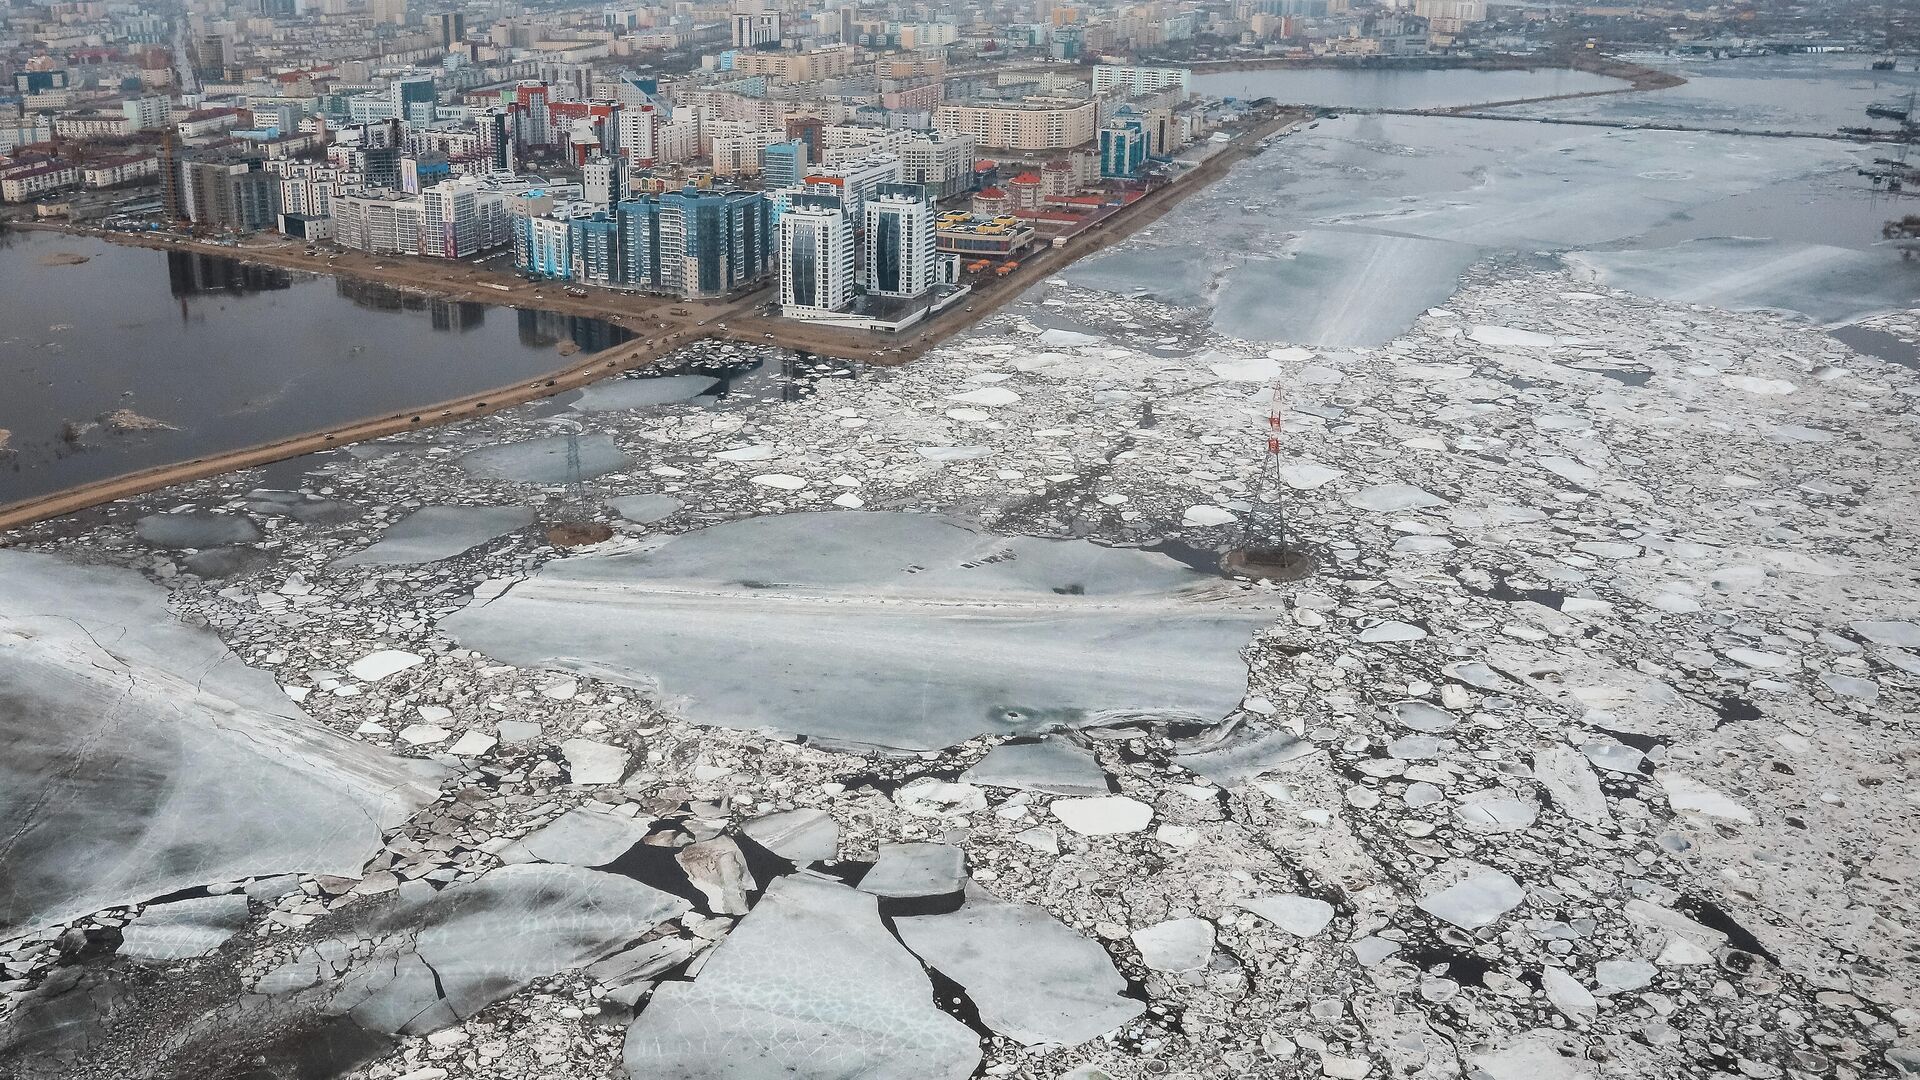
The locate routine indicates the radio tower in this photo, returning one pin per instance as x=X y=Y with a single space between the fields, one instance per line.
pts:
x=1267 y=523
x=1263 y=550
x=576 y=488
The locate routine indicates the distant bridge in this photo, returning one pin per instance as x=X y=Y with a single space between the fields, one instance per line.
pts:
x=1474 y=112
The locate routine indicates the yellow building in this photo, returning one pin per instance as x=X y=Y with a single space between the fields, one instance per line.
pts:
x=1033 y=124
x=796 y=67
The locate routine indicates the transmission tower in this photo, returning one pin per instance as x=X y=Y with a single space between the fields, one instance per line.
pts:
x=576 y=487
x=1266 y=531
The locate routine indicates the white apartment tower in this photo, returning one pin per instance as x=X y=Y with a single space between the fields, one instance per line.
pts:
x=854 y=181
x=816 y=256
x=754 y=28
x=898 y=242
x=604 y=180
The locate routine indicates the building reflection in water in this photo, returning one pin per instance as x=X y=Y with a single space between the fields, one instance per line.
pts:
x=189 y=274
x=545 y=329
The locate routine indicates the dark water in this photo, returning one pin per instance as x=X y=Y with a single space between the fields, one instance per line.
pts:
x=227 y=354
x=1879 y=343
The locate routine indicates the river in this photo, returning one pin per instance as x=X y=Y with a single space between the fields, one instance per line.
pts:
x=1340 y=235
x=1393 y=88
x=226 y=355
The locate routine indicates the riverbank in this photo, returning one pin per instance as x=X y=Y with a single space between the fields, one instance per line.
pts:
x=1636 y=76
x=659 y=330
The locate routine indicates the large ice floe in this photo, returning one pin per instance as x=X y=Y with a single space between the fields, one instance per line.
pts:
x=138 y=748
x=439 y=532
x=905 y=631
x=435 y=958
x=810 y=986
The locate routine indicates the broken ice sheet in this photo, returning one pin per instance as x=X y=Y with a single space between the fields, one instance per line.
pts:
x=184 y=928
x=1246 y=754
x=645 y=509
x=438 y=532
x=911 y=870
x=631 y=393
x=545 y=461
x=1570 y=780
x=799 y=836
x=1690 y=796
x=164 y=763
x=1301 y=916
x=1175 y=945
x=441 y=958
x=1480 y=897
x=195 y=529
x=1391 y=498
x=809 y=986
x=1032 y=977
x=583 y=836
x=1052 y=765
x=893 y=630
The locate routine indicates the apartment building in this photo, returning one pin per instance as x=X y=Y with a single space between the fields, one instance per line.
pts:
x=943 y=163
x=1142 y=80
x=1032 y=124
x=897 y=239
x=120 y=170
x=816 y=257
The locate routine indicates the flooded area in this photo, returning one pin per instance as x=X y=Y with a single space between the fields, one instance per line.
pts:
x=133 y=358
x=902 y=724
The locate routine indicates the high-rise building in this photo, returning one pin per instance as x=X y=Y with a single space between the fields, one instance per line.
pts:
x=39 y=82
x=687 y=243
x=452 y=26
x=810 y=130
x=605 y=180
x=738 y=152
x=530 y=106
x=897 y=242
x=461 y=217
x=816 y=256
x=783 y=164
x=1123 y=150
x=853 y=181
x=753 y=29
x=943 y=162
x=548 y=247
x=452 y=220
x=239 y=196
x=306 y=187
x=415 y=100
x=211 y=55
x=496 y=139
x=720 y=241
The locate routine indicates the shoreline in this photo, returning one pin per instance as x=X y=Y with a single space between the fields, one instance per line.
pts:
x=738 y=320
x=1637 y=76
